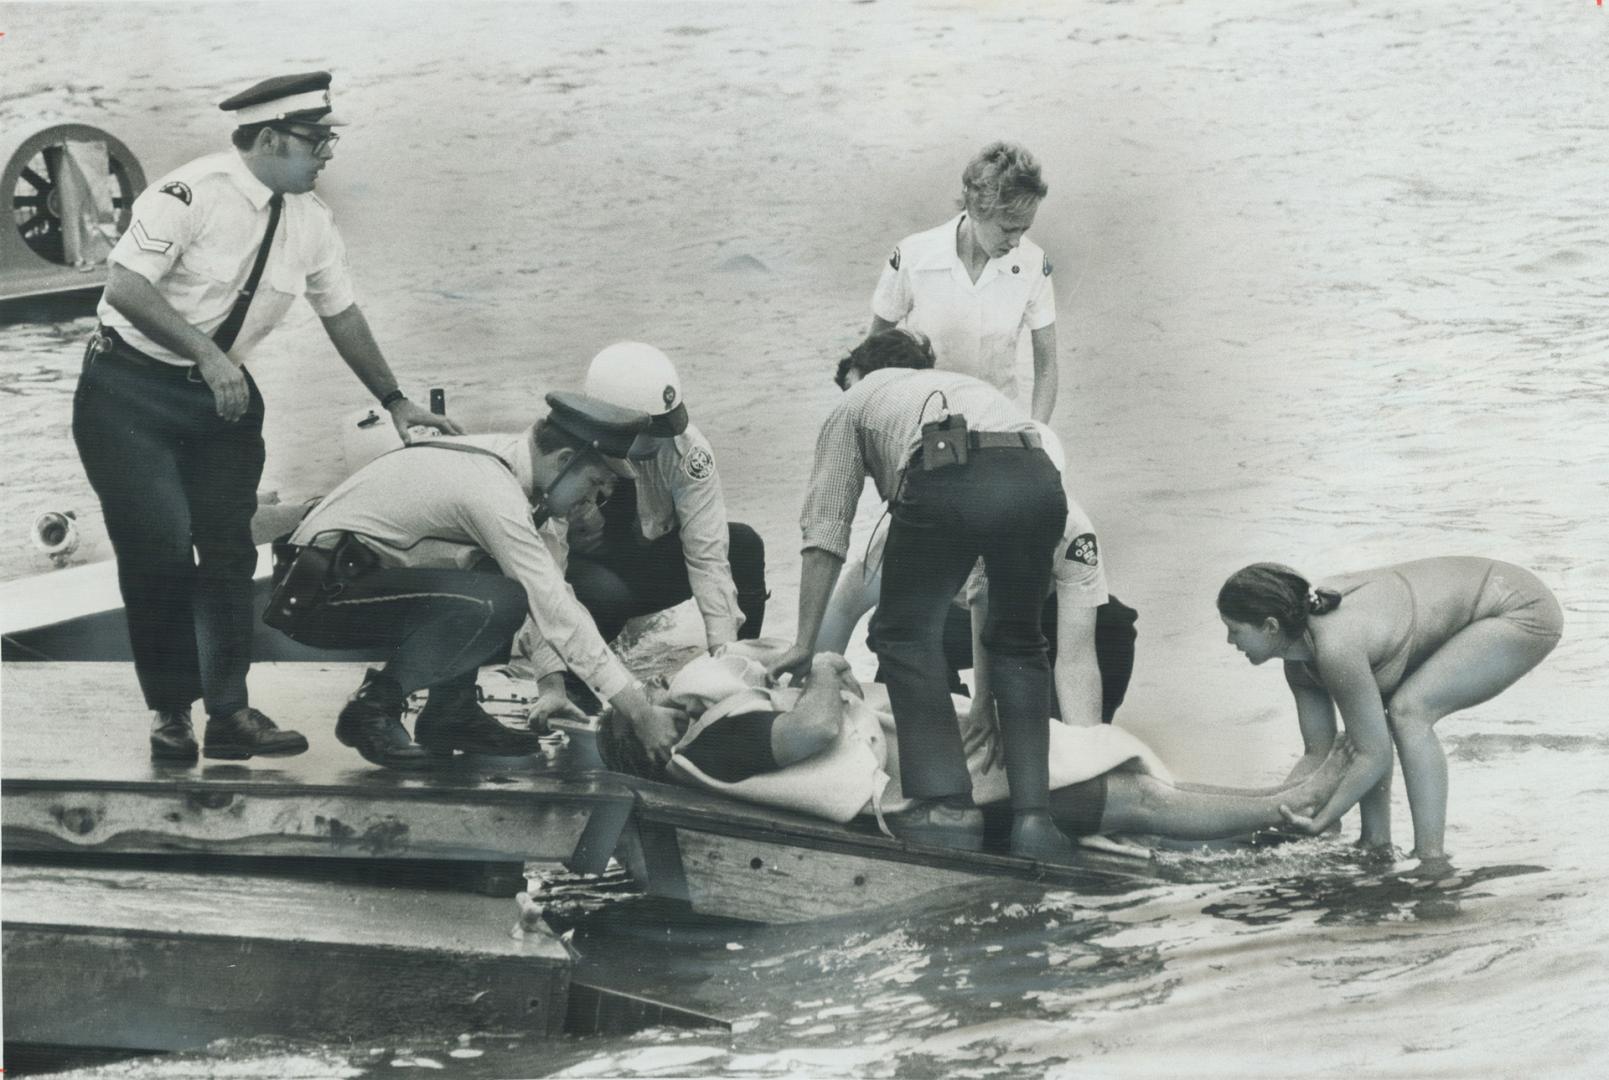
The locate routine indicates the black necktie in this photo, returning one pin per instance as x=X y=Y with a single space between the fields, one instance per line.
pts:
x=224 y=336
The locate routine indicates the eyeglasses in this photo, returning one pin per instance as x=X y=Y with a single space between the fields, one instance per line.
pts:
x=320 y=143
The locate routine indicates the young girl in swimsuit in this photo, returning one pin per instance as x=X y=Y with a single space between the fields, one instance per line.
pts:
x=1394 y=649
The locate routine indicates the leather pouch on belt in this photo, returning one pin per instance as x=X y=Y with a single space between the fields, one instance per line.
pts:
x=944 y=442
x=305 y=577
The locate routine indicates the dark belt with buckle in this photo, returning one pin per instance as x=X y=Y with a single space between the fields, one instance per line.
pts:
x=106 y=341
x=999 y=440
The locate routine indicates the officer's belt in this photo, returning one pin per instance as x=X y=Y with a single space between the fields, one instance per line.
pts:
x=116 y=346
x=1004 y=440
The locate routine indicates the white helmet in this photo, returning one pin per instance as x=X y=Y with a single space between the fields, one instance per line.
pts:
x=641 y=378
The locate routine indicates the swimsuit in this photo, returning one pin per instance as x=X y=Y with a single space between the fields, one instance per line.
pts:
x=1506 y=592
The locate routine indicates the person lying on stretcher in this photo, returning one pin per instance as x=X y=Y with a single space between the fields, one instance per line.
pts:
x=824 y=749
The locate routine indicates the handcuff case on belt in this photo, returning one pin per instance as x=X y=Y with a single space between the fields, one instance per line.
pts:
x=306 y=577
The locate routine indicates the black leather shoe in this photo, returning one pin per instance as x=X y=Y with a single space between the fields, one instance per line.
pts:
x=371 y=723
x=1035 y=836
x=173 y=736
x=453 y=720
x=933 y=823
x=248 y=733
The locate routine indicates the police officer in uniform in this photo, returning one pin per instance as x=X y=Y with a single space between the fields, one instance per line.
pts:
x=168 y=421
x=413 y=534
x=664 y=536
x=966 y=475
x=973 y=284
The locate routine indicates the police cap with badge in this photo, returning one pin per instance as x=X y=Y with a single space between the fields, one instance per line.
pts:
x=603 y=428
x=297 y=99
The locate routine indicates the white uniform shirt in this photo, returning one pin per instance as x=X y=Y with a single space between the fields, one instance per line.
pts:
x=463 y=505
x=974 y=326
x=194 y=235
x=678 y=488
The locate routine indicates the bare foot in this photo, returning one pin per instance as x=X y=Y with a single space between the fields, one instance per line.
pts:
x=1314 y=789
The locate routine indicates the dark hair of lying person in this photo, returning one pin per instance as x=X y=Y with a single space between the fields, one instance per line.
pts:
x=891 y=348
x=731 y=749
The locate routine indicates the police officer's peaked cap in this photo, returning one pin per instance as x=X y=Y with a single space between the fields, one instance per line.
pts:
x=606 y=428
x=303 y=98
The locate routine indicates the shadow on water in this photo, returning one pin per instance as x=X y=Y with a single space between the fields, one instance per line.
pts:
x=1371 y=899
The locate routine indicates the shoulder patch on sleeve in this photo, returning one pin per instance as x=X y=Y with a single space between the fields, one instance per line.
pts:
x=1084 y=550
x=145 y=241
x=1047 y=265
x=178 y=189
x=893 y=260
x=699 y=464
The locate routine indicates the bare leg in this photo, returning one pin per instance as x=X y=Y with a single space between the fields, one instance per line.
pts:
x=1326 y=773
x=1476 y=664
x=1137 y=802
x=1375 y=810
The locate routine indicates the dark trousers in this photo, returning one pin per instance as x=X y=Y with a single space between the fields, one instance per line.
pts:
x=624 y=577
x=1007 y=506
x=1114 y=647
x=441 y=624
x=178 y=487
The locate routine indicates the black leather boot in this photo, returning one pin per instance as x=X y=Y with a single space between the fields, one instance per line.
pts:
x=452 y=719
x=1034 y=835
x=173 y=736
x=248 y=733
x=371 y=723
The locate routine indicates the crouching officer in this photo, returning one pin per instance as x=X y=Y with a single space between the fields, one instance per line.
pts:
x=389 y=558
x=665 y=536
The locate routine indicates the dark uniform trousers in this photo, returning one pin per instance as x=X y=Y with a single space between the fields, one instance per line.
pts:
x=1007 y=506
x=626 y=576
x=178 y=486
x=441 y=624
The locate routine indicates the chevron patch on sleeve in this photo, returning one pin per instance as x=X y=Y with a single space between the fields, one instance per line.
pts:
x=146 y=241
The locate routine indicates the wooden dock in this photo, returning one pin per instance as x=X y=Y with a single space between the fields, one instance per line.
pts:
x=160 y=960
x=125 y=879
x=76 y=775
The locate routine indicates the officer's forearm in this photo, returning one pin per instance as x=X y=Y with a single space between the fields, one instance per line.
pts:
x=350 y=334
x=818 y=573
x=138 y=301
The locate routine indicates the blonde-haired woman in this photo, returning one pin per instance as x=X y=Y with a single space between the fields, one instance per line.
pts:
x=973 y=284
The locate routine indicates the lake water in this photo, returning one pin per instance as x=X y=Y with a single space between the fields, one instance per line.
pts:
x=1331 y=282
